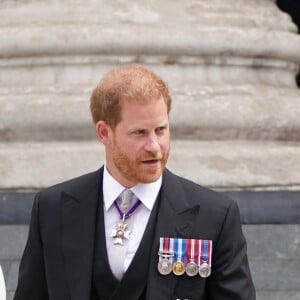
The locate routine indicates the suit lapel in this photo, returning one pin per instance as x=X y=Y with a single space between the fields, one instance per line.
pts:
x=79 y=208
x=177 y=213
x=176 y=218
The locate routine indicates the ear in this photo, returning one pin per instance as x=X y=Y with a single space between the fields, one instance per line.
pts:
x=103 y=131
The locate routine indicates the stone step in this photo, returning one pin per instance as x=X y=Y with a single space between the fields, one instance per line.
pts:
x=153 y=11
x=86 y=69
x=172 y=39
x=274 y=255
x=274 y=242
x=217 y=164
x=199 y=112
x=80 y=29
x=283 y=295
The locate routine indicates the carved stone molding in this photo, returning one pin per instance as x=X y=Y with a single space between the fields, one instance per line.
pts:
x=230 y=66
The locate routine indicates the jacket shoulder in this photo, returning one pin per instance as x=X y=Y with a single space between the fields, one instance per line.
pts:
x=75 y=186
x=198 y=194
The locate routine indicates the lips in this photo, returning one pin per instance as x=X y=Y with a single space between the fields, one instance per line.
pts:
x=152 y=162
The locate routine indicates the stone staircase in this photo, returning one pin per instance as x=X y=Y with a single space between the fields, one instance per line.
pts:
x=230 y=66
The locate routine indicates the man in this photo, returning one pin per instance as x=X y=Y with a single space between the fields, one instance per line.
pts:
x=175 y=239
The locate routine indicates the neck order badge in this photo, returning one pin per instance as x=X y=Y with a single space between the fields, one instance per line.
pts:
x=121 y=232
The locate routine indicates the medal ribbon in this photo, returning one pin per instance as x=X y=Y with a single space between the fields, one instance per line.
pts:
x=205 y=250
x=161 y=248
x=166 y=248
x=161 y=245
x=129 y=212
x=166 y=245
x=171 y=249
x=180 y=250
x=192 y=250
x=199 y=252
x=209 y=251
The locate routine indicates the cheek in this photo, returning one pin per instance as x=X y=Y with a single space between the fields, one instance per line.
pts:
x=134 y=150
x=131 y=149
x=165 y=143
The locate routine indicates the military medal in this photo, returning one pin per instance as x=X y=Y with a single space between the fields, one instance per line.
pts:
x=164 y=267
x=191 y=268
x=120 y=233
x=179 y=256
x=205 y=250
x=166 y=253
x=204 y=270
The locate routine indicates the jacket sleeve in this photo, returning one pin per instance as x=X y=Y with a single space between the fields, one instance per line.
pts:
x=231 y=277
x=32 y=280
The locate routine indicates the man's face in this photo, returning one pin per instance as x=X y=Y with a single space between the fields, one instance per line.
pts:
x=139 y=145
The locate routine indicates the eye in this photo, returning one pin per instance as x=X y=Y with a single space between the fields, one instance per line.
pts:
x=161 y=129
x=139 y=132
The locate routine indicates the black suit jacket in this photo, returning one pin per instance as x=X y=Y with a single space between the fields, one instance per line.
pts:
x=58 y=258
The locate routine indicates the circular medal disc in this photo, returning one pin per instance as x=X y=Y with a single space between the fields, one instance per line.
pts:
x=164 y=267
x=204 y=270
x=191 y=269
x=178 y=268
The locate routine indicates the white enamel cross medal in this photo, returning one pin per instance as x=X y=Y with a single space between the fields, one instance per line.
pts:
x=121 y=232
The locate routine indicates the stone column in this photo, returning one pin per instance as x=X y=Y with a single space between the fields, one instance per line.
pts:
x=230 y=66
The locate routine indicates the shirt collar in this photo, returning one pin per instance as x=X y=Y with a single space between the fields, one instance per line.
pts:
x=146 y=192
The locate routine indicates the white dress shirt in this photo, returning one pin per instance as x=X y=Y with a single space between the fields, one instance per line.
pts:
x=147 y=193
x=2 y=286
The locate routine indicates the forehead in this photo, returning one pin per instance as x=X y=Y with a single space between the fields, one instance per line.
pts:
x=143 y=105
x=144 y=111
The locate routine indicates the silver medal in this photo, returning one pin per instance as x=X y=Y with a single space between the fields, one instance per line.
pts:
x=204 y=270
x=191 y=269
x=164 y=266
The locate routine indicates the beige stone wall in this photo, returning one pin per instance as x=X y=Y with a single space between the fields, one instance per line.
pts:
x=230 y=66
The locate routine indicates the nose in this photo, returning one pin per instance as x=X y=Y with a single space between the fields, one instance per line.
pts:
x=152 y=144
